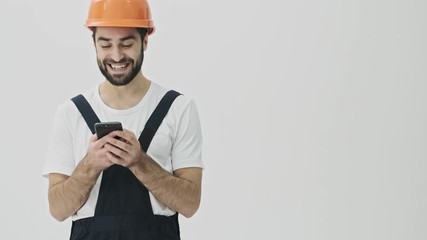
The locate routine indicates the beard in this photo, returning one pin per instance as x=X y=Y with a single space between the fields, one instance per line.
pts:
x=125 y=78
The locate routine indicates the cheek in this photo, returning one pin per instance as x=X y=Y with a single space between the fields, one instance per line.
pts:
x=100 y=53
x=131 y=54
x=100 y=56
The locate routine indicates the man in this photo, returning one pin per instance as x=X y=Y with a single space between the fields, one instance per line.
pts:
x=129 y=184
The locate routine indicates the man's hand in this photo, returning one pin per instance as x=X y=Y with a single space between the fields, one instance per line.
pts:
x=123 y=148
x=97 y=154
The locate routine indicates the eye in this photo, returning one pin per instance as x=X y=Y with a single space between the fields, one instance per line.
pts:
x=126 y=45
x=105 y=46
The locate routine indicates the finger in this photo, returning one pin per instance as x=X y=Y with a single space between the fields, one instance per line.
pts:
x=116 y=134
x=115 y=150
x=129 y=135
x=102 y=141
x=93 y=138
x=119 y=143
x=114 y=158
x=125 y=136
x=97 y=143
x=111 y=157
x=129 y=132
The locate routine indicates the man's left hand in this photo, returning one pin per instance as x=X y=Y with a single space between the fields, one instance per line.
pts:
x=123 y=148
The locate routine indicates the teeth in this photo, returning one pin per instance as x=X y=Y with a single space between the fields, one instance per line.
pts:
x=118 y=66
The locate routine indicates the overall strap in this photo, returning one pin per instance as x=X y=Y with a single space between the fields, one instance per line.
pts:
x=156 y=119
x=87 y=112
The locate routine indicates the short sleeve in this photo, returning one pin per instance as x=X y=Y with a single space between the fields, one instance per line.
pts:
x=60 y=156
x=187 y=144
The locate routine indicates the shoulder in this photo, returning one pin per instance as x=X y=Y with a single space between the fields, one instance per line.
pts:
x=69 y=111
x=180 y=104
x=66 y=110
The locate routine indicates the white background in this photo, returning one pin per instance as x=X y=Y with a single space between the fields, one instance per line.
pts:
x=313 y=111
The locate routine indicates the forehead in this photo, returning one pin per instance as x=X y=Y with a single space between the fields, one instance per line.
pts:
x=115 y=33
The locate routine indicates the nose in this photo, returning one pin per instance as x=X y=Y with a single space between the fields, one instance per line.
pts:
x=117 y=54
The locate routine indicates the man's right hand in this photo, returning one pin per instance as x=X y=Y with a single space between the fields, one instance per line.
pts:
x=96 y=156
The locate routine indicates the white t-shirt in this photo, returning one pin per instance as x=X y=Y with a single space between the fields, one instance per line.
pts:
x=177 y=143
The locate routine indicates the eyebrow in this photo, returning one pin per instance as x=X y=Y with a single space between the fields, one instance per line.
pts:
x=121 y=39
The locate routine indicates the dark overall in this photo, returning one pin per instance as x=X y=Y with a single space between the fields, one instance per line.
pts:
x=123 y=209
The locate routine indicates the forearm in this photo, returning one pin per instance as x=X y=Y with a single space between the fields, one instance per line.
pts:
x=67 y=197
x=179 y=194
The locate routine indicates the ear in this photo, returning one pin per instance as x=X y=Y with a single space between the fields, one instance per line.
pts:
x=145 y=42
x=94 y=45
x=93 y=30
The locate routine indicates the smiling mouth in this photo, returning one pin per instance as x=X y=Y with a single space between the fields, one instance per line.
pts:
x=118 y=66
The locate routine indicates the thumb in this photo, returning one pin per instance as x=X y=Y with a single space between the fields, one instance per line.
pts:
x=93 y=138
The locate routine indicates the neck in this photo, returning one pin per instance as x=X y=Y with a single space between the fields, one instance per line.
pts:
x=124 y=97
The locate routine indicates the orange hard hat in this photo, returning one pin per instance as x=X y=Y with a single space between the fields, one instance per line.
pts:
x=120 y=13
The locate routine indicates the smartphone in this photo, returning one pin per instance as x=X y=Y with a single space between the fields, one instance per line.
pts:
x=104 y=128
